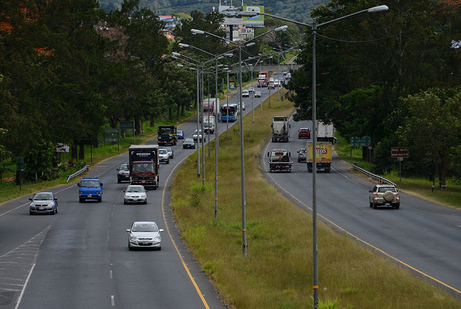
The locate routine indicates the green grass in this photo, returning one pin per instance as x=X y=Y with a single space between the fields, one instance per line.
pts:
x=413 y=185
x=277 y=273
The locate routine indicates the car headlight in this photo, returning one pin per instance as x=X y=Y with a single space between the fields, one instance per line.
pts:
x=157 y=238
x=143 y=196
x=133 y=238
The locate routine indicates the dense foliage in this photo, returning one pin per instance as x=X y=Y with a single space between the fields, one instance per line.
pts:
x=367 y=64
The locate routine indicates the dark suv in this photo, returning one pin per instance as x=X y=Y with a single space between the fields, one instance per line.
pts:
x=90 y=188
x=123 y=173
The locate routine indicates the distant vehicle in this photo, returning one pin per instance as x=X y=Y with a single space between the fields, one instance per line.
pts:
x=263 y=78
x=144 y=165
x=288 y=76
x=271 y=84
x=257 y=94
x=167 y=135
x=144 y=234
x=279 y=160
x=325 y=132
x=384 y=194
x=135 y=194
x=208 y=124
x=210 y=106
x=170 y=152
x=42 y=203
x=251 y=89
x=280 y=129
x=304 y=132
x=245 y=93
x=197 y=136
x=322 y=158
x=123 y=172
x=302 y=155
x=243 y=105
x=163 y=155
x=90 y=188
x=277 y=83
x=180 y=134
x=188 y=143
x=229 y=112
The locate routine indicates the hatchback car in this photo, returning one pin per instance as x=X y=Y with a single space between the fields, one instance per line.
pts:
x=42 y=203
x=180 y=134
x=144 y=234
x=163 y=155
x=251 y=89
x=384 y=195
x=123 y=172
x=188 y=143
x=135 y=194
x=257 y=94
x=301 y=155
x=90 y=188
x=304 y=132
x=245 y=93
x=170 y=152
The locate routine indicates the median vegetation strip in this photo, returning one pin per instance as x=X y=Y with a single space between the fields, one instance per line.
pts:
x=277 y=273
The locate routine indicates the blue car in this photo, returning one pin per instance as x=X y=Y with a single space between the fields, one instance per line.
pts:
x=90 y=188
x=180 y=134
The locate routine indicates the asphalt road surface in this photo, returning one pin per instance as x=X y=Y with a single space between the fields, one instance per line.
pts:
x=79 y=257
x=422 y=236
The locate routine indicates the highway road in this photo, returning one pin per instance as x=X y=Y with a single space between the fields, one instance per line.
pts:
x=79 y=257
x=422 y=236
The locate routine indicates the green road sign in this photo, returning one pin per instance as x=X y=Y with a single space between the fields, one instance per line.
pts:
x=360 y=141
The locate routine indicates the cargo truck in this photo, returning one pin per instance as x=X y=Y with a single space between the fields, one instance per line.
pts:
x=167 y=135
x=144 y=165
x=280 y=129
x=323 y=157
x=209 y=124
x=279 y=160
x=325 y=132
x=263 y=79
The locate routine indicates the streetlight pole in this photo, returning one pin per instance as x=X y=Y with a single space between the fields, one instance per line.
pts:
x=314 y=27
x=242 y=159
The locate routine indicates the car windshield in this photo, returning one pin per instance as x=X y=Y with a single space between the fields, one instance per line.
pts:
x=162 y=151
x=135 y=189
x=42 y=196
x=385 y=189
x=144 y=227
x=124 y=167
x=89 y=183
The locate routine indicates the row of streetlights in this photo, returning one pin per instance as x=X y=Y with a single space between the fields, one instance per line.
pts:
x=314 y=26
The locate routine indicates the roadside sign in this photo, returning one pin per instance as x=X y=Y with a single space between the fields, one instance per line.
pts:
x=126 y=124
x=364 y=141
x=399 y=152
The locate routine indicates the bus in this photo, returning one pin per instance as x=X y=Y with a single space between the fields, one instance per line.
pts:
x=229 y=112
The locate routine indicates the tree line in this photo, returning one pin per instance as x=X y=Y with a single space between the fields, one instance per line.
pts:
x=68 y=70
x=393 y=76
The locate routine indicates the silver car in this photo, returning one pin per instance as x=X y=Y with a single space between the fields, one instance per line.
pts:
x=144 y=234
x=163 y=155
x=170 y=152
x=135 y=194
x=43 y=202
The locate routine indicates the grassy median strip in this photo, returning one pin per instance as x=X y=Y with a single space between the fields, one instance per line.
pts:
x=277 y=273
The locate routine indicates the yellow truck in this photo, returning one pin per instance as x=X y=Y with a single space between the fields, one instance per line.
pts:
x=323 y=157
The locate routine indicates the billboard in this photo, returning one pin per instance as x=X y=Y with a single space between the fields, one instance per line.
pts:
x=255 y=21
x=233 y=18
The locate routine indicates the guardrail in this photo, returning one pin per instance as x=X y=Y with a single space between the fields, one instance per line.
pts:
x=77 y=173
x=371 y=175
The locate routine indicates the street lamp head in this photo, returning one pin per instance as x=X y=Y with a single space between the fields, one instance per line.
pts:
x=175 y=54
x=378 y=8
x=196 y=31
x=183 y=45
x=250 y=44
x=282 y=28
x=228 y=55
x=179 y=65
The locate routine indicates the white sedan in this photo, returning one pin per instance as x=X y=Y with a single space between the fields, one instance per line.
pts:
x=144 y=234
x=135 y=194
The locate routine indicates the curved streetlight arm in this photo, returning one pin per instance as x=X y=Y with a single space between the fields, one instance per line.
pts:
x=379 y=8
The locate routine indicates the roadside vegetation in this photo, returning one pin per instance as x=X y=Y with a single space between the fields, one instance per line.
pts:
x=277 y=273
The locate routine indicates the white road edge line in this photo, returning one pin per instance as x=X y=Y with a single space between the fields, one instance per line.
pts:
x=24 y=287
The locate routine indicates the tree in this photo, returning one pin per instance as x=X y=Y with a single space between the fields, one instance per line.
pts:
x=433 y=126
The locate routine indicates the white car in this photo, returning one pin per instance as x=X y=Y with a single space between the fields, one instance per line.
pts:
x=251 y=89
x=170 y=152
x=135 y=194
x=243 y=105
x=245 y=93
x=198 y=136
x=163 y=155
x=144 y=234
